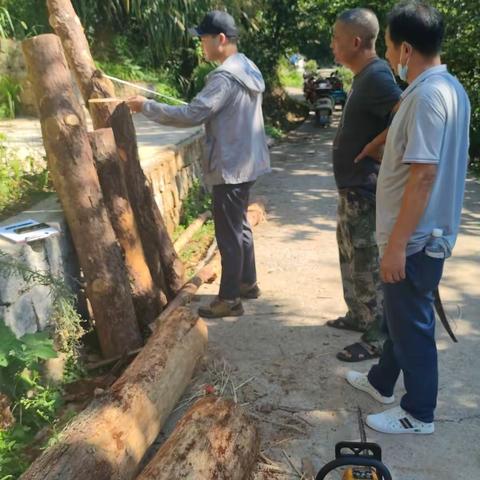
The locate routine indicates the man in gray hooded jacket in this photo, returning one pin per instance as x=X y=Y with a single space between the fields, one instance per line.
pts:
x=236 y=152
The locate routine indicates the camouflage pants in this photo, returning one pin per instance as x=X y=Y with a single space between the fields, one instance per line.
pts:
x=359 y=264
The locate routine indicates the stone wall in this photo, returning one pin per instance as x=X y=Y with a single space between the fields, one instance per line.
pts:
x=13 y=65
x=172 y=173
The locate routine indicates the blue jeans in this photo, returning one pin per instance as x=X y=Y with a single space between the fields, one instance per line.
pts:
x=410 y=346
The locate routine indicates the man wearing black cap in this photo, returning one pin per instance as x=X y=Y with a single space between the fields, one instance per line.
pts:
x=236 y=152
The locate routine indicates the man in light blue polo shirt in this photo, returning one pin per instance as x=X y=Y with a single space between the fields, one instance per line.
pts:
x=420 y=188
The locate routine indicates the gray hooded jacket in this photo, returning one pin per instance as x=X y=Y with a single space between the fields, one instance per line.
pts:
x=230 y=106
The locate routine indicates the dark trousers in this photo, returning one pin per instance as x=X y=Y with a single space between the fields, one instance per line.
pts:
x=234 y=238
x=410 y=345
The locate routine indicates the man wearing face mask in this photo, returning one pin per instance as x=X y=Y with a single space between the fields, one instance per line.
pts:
x=236 y=153
x=419 y=194
x=366 y=114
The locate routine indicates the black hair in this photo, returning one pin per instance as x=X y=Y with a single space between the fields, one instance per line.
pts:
x=419 y=24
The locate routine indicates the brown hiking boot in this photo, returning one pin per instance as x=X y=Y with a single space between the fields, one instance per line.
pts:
x=222 y=308
x=249 y=291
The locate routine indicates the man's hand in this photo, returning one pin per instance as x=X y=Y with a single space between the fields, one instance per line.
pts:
x=371 y=150
x=392 y=266
x=136 y=103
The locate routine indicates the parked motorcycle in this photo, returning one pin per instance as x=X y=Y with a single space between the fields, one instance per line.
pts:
x=324 y=103
x=317 y=91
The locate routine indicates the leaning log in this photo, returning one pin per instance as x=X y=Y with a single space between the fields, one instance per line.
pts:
x=108 y=440
x=147 y=298
x=166 y=268
x=70 y=162
x=192 y=229
x=68 y=27
x=215 y=439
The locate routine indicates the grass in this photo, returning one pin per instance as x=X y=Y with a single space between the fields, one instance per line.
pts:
x=197 y=247
x=9 y=96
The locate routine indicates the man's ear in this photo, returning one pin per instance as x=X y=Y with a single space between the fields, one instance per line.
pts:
x=357 y=42
x=222 y=39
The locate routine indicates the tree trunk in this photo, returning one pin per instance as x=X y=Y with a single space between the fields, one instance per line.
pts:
x=166 y=268
x=215 y=439
x=68 y=27
x=70 y=162
x=108 y=440
x=146 y=296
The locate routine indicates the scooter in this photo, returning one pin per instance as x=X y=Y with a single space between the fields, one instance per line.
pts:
x=324 y=104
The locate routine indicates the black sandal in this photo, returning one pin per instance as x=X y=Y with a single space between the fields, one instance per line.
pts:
x=358 y=352
x=342 y=324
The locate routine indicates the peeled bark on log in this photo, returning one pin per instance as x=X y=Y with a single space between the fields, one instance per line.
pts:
x=70 y=162
x=166 y=268
x=68 y=27
x=146 y=296
x=108 y=440
x=215 y=439
x=101 y=110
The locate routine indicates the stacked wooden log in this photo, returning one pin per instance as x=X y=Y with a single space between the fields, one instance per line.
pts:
x=134 y=279
x=128 y=259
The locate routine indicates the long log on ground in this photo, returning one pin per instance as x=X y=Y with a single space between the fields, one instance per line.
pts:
x=108 y=440
x=191 y=230
x=215 y=439
x=70 y=162
x=256 y=213
x=146 y=296
x=68 y=27
x=166 y=268
x=206 y=275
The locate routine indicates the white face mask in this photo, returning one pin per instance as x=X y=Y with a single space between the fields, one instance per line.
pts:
x=402 y=70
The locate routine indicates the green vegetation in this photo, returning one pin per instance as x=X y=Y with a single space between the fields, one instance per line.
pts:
x=346 y=76
x=198 y=200
x=288 y=75
x=17 y=187
x=274 y=132
x=9 y=96
x=311 y=66
x=34 y=403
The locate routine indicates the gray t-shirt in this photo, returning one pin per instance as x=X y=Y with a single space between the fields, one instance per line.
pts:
x=430 y=127
x=366 y=114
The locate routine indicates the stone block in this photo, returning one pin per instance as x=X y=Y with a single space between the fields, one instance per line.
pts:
x=26 y=306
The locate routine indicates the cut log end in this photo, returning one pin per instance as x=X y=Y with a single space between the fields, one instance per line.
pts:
x=215 y=439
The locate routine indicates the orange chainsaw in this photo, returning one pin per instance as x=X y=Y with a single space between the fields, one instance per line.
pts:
x=364 y=459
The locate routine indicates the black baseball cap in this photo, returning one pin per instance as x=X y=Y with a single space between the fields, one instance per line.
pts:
x=214 y=23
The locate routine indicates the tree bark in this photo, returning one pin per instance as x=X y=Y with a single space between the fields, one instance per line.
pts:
x=146 y=296
x=67 y=26
x=215 y=439
x=165 y=266
x=108 y=440
x=71 y=165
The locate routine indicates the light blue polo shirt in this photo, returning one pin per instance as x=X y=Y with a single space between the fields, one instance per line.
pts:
x=431 y=127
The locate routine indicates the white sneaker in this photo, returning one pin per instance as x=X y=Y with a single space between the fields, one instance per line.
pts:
x=397 y=420
x=360 y=382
